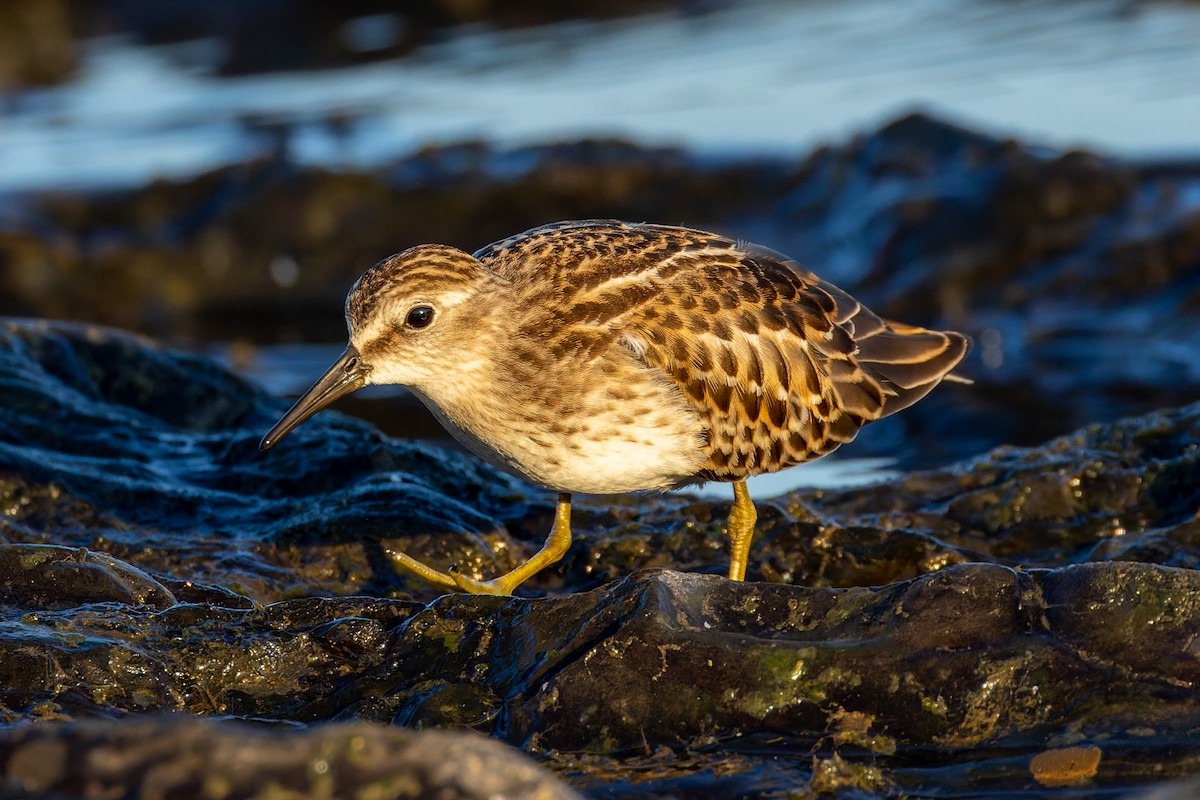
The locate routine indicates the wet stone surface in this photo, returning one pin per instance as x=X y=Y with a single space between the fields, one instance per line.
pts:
x=930 y=635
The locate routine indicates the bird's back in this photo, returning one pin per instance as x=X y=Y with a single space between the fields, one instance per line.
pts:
x=781 y=366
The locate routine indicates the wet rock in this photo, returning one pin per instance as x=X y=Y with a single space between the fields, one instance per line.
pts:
x=152 y=459
x=945 y=659
x=974 y=656
x=1074 y=272
x=939 y=630
x=195 y=258
x=47 y=576
x=181 y=757
x=1065 y=766
x=110 y=443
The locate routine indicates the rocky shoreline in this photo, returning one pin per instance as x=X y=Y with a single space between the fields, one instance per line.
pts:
x=1029 y=600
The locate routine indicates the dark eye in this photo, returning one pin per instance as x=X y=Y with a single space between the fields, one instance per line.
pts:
x=419 y=317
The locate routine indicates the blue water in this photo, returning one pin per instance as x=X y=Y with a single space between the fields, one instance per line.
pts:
x=763 y=75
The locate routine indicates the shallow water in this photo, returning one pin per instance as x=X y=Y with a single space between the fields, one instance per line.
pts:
x=763 y=75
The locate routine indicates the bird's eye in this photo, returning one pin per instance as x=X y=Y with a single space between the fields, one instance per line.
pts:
x=419 y=317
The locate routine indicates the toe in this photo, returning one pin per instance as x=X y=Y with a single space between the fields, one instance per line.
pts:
x=439 y=579
x=498 y=586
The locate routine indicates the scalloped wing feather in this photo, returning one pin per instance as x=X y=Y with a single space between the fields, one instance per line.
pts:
x=781 y=366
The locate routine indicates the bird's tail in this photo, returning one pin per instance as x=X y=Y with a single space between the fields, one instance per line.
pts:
x=910 y=361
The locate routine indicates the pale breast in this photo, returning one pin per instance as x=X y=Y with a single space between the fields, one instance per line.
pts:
x=605 y=425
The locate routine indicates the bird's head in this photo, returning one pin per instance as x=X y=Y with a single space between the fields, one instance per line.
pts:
x=409 y=317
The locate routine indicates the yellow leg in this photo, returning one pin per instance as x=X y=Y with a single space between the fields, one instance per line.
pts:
x=555 y=547
x=741 y=530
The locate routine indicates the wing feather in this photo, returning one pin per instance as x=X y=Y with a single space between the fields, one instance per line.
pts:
x=782 y=366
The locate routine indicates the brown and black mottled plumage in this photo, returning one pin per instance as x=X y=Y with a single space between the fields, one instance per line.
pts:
x=782 y=366
x=602 y=356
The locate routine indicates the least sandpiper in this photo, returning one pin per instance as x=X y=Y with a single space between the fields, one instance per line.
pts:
x=603 y=357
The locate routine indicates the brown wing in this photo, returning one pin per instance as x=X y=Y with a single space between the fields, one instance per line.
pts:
x=782 y=366
x=907 y=361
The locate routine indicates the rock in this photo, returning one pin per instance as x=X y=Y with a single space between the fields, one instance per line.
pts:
x=1073 y=272
x=109 y=443
x=1065 y=766
x=152 y=459
x=974 y=656
x=1029 y=600
x=225 y=760
x=193 y=258
x=48 y=576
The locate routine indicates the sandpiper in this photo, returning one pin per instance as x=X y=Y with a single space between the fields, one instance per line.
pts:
x=604 y=357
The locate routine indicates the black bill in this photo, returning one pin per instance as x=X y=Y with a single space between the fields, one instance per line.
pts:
x=346 y=375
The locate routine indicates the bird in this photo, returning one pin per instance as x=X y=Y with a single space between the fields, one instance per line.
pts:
x=607 y=357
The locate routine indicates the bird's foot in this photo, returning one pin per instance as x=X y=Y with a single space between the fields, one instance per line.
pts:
x=504 y=585
x=555 y=546
x=454 y=580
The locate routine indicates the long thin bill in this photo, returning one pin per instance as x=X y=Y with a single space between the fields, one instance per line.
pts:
x=346 y=375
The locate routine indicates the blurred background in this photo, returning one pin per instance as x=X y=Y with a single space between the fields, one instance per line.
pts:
x=217 y=173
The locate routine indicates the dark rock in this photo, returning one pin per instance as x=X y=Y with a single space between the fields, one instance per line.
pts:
x=112 y=444
x=152 y=459
x=974 y=656
x=225 y=760
x=213 y=238
x=48 y=577
x=948 y=626
x=1075 y=273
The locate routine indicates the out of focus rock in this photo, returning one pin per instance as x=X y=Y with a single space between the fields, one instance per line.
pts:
x=225 y=760
x=37 y=43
